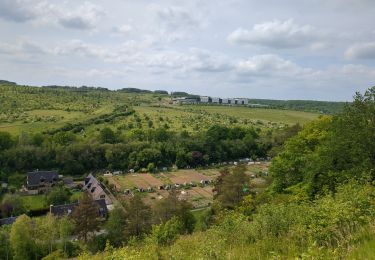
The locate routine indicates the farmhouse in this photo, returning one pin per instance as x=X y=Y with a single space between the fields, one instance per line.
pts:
x=94 y=188
x=67 y=209
x=42 y=180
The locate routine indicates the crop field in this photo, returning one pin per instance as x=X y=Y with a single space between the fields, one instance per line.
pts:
x=131 y=181
x=199 y=196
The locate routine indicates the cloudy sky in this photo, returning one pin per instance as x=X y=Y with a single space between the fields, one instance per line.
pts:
x=290 y=49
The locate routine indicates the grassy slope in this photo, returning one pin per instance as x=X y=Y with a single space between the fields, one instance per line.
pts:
x=32 y=109
x=63 y=117
x=271 y=115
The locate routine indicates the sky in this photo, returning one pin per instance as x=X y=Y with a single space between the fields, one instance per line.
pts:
x=290 y=49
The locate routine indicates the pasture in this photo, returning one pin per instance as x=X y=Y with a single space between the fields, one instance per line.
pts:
x=196 y=117
x=270 y=115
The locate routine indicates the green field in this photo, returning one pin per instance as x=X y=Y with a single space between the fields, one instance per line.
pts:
x=271 y=115
x=194 y=117
x=31 y=110
x=34 y=202
x=40 y=120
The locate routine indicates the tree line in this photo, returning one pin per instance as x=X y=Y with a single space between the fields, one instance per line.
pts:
x=147 y=149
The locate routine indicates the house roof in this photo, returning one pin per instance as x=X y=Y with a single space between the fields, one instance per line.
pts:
x=7 y=221
x=34 y=178
x=67 y=209
x=92 y=185
x=61 y=210
x=68 y=180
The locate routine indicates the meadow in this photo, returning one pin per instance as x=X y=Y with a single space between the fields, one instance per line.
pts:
x=28 y=110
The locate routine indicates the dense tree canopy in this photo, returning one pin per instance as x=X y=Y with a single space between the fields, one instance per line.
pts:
x=330 y=151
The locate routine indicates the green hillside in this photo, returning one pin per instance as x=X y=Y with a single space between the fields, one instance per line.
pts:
x=33 y=109
x=313 y=200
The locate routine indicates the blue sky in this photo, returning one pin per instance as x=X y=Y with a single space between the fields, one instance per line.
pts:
x=291 y=49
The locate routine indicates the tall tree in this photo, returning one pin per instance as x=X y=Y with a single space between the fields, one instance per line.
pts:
x=46 y=233
x=232 y=188
x=107 y=135
x=138 y=217
x=21 y=239
x=86 y=217
x=66 y=228
x=171 y=207
x=58 y=195
x=5 y=249
x=12 y=205
x=6 y=141
x=115 y=226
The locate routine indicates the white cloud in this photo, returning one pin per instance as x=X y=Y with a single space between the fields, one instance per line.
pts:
x=82 y=49
x=361 y=51
x=276 y=34
x=174 y=23
x=124 y=29
x=84 y=17
x=270 y=65
x=175 y=18
x=17 y=10
x=194 y=60
x=22 y=47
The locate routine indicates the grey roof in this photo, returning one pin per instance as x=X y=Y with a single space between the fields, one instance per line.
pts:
x=61 y=210
x=68 y=180
x=67 y=209
x=37 y=177
x=7 y=221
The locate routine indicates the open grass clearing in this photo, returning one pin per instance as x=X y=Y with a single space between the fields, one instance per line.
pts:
x=34 y=202
x=271 y=115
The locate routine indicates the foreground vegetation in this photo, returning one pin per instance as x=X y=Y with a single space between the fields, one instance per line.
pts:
x=320 y=206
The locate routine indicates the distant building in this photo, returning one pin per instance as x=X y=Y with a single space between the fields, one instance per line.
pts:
x=204 y=99
x=185 y=100
x=213 y=100
x=94 y=188
x=224 y=101
x=67 y=209
x=42 y=180
x=242 y=101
